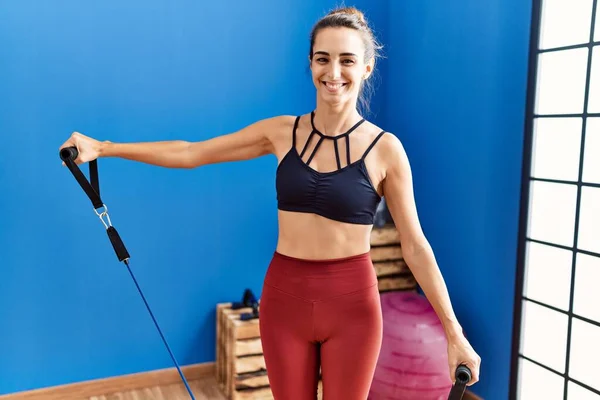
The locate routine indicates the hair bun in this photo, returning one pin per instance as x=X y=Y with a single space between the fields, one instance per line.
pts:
x=350 y=11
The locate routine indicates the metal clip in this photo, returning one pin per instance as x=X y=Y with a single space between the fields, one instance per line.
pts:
x=103 y=214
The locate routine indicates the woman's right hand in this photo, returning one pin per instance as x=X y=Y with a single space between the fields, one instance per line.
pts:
x=87 y=147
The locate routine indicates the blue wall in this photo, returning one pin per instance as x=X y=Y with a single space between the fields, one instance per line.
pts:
x=456 y=98
x=453 y=89
x=136 y=71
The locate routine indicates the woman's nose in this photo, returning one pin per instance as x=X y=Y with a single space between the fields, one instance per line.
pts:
x=334 y=71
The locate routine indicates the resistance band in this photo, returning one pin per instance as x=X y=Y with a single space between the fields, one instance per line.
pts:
x=92 y=189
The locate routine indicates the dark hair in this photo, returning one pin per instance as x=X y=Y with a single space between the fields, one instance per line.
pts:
x=350 y=17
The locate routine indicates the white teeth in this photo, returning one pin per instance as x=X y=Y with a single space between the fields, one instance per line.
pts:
x=334 y=86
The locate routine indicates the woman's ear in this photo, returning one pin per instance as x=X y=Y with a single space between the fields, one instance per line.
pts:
x=369 y=68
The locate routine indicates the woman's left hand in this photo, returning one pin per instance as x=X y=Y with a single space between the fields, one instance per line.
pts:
x=461 y=352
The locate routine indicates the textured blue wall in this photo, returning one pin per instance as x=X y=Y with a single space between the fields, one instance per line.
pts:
x=452 y=87
x=456 y=98
x=136 y=71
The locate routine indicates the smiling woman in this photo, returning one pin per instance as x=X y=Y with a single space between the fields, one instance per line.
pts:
x=320 y=307
x=347 y=61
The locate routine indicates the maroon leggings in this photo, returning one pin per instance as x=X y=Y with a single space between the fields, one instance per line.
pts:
x=320 y=314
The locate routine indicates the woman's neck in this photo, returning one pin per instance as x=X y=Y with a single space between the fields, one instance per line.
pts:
x=332 y=120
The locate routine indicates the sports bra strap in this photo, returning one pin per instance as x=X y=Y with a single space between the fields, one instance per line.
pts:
x=373 y=144
x=337 y=154
x=307 y=143
x=347 y=150
x=294 y=132
x=314 y=151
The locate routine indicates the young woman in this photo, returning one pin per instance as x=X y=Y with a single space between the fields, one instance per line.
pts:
x=320 y=305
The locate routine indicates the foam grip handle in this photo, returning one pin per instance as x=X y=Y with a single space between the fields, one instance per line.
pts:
x=463 y=374
x=69 y=153
x=117 y=243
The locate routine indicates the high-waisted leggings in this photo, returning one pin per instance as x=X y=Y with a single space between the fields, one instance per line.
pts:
x=320 y=316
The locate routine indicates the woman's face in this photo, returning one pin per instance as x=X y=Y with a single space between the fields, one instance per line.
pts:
x=338 y=65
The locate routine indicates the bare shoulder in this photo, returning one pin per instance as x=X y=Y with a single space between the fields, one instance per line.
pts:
x=391 y=148
x=275 y=127
x=279 y=130
x=390 y=152
x=388 y=145
x=393 y=157
x=278 y=122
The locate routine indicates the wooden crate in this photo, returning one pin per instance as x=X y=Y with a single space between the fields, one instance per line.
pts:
x=240 y=365
x=386 y=253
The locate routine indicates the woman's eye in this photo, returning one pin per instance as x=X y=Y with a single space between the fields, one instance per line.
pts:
x=345 y=62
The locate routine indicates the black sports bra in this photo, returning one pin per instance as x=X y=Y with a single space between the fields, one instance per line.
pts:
x=346 y=194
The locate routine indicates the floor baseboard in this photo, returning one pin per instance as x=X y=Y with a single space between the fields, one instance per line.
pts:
x=81 y=390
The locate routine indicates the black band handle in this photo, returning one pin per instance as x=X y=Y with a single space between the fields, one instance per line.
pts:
x=91 y=187
x=463 y=376
x=69 y=153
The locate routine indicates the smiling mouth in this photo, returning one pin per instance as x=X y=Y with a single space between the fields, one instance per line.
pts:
x=333 y=86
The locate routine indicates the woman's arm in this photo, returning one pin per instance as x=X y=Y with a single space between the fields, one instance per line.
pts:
x=249 y=142
x=416 y=250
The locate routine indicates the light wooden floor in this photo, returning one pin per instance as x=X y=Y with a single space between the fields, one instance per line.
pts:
x=203 y=389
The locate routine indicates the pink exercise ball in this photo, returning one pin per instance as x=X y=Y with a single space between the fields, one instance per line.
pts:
x=413 y=361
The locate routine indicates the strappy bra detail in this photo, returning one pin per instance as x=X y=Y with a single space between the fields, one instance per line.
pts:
x=346 y=194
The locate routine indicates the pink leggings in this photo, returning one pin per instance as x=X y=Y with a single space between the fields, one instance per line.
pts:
x=320 y=314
